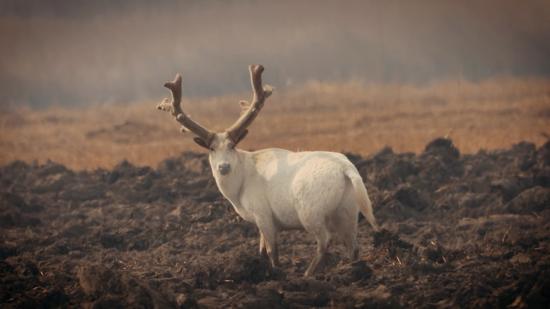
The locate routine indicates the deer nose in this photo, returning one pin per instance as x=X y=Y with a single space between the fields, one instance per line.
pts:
x=224 y=168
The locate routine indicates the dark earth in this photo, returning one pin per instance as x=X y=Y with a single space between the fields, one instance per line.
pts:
x=458 y=231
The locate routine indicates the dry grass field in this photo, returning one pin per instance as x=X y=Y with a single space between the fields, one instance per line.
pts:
x=351 y=117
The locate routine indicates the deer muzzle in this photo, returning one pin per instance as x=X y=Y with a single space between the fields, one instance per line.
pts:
x=224 y=168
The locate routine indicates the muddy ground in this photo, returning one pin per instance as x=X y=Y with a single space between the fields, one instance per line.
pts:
x=458 y=231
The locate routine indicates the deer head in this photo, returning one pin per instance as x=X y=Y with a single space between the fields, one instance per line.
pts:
x=221 y=146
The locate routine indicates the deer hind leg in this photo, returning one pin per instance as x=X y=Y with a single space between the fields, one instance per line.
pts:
x=346 y=230
x=323 y=238
x=342 y=224
x=345 y=222
x=350 y=241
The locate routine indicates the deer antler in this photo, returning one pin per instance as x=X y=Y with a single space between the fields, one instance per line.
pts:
x=239 y=129
x=204 y=136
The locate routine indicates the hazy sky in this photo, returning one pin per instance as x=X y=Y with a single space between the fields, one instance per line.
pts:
x=78 y=52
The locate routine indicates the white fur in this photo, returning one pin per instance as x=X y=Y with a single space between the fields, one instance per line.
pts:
x=277 y=189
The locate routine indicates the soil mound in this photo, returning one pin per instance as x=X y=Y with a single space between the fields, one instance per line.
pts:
x=458 y=231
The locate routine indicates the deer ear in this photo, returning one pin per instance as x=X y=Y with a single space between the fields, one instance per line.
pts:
x=201 y=143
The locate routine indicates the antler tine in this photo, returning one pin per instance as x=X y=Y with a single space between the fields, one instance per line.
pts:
x=174 y=107
x=259 y=93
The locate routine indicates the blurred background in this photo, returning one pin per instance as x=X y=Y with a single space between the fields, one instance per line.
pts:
x=79 y=52
x=353 y=75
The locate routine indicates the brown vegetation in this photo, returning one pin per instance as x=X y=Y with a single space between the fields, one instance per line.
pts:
x=352 y=116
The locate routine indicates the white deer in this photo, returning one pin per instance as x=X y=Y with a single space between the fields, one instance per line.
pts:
x=321 y=192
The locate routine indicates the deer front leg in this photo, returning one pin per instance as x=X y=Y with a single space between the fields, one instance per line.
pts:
x=263 y=248
x=268 y=241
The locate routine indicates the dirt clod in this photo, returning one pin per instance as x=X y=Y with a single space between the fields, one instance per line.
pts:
x=457 y=231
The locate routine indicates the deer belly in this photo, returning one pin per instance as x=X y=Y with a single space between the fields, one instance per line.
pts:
x=285 y=216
